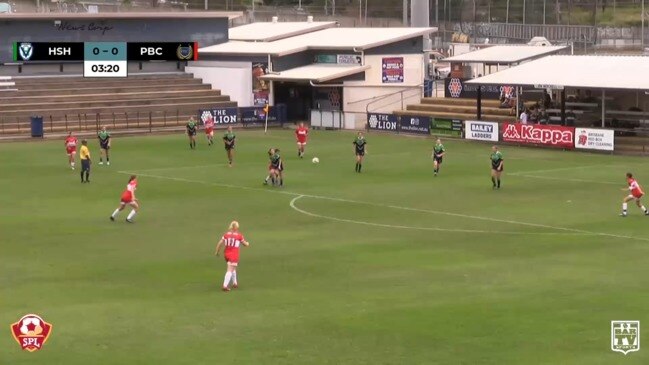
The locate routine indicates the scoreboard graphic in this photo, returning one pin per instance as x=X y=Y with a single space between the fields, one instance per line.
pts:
x=104 y=59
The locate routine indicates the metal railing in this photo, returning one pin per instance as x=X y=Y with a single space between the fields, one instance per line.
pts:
x=402 y=98
x=92 y=122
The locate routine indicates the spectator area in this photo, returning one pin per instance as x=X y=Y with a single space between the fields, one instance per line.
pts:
x=75 y=103
x=463 y=109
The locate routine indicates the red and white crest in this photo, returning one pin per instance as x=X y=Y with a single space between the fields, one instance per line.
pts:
x=31 y=332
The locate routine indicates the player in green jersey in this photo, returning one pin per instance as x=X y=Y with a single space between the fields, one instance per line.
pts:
x=192 y=127
x=228 y=140
x=497 y=165
x=360 y=149
x=438 y=155
x=104 y=145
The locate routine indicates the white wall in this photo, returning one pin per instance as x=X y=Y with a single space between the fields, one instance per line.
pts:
x=232 y=78
x=358 y=94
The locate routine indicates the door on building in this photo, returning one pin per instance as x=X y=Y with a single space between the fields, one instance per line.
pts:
x=298 y=98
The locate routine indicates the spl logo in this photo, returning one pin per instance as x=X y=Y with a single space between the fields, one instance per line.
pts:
x=625 y=336
x=31 y=332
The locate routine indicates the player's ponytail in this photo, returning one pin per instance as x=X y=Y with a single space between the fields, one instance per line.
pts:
x=133 y=177
x=234 y=226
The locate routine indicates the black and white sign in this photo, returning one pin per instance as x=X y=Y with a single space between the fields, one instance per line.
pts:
x=481 y=131
x=348 y=59
x=382 y=122
x=414 y=124
x=220 y=116
x=595 y=139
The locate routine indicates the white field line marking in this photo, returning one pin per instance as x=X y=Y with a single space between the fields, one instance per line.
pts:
x=350 y=157
x=182 y=167
x=573 y=230
x=553 y=170
x=302 y=211
x=571 y=180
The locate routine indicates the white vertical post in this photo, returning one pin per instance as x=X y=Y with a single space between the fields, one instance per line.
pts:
x=507 y=13
x=405 y=13
x=603 y=107
x=543 y=12
x=642 y=27
x=205 y=5
x=524 y=11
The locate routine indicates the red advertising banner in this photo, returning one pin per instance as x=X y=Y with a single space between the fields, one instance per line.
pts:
x=538 y=134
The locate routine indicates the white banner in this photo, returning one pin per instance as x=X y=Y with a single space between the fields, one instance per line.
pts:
x=348 y=59
x=594 y=139
x=481 y=131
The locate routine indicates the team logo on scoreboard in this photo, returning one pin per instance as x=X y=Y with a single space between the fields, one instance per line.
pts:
x=26 y=51
x=185 y=53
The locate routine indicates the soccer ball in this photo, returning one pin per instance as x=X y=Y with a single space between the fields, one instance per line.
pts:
x=315 y=160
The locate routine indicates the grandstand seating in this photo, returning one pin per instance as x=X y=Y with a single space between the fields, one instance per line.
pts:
x=75 y=103
x=463 y=109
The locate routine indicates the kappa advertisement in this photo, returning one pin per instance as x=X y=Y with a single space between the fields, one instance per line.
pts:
x=392 y=70
x=538 y=134
x=481 y=131
x=595 y=139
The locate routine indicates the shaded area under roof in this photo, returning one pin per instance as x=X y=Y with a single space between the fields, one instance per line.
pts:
x=597 y=72
x=316 y=72
x=505 y=55
x=357 y=39
x=269 y=31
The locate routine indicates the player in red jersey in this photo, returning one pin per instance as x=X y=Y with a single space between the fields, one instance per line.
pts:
x=128 y=198
x=635 y=193
x=232 y=239
x=71 y=148
x=209 y=130
x=301 y=133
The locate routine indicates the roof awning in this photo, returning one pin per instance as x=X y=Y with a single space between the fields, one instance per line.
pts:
x=505 y=55
x=316 y=73
x=596 y=72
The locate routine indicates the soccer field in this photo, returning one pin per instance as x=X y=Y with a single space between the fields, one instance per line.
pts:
x=390 y=266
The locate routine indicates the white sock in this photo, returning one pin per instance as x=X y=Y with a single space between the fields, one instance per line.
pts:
x=624 y=206
x=234 y=277
x=226 y=281
x=72 y=164
x=643 y=208
x=131 y=214
x=115 y=213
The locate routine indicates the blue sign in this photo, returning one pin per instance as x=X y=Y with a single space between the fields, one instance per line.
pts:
x=220 y=116
x=257 y=115
x=414 y=124
x=381 y=122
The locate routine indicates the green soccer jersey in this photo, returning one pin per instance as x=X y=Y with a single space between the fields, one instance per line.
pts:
x=191 y=126
x=360 y=143
x=496 y=158
x=229 y=137
x=439 y=149
x=103 y=136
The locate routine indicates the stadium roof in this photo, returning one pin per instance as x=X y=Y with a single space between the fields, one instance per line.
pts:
x=353 y=39
x=126 y=15
x=316 y=72
x=505 y=55
x=599 y=72
x=272 y=31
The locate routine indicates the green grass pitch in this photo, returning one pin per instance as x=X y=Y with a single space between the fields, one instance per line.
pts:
x=390 y=266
